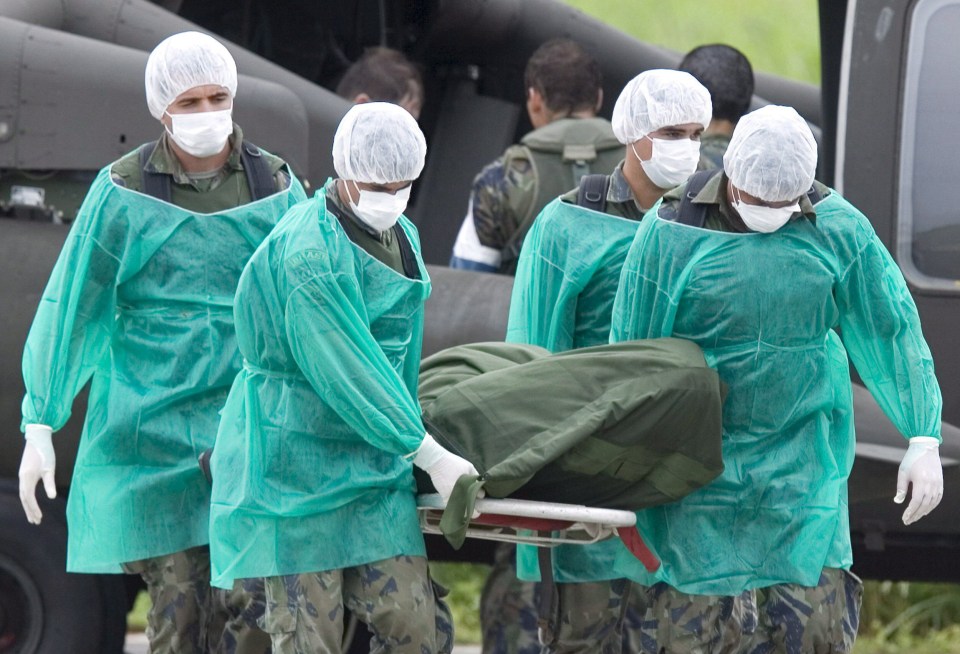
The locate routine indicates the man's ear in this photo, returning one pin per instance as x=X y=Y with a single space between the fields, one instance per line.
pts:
x=534 y=99
x=599 y=100
x=361 y=98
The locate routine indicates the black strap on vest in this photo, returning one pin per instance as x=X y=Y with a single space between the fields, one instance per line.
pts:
x=409 y=259
x=592 y=192
x=259 y=178
x=695 y=215
x=154 y=184
x=692 y=214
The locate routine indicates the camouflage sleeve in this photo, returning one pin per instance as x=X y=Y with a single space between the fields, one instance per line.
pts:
x=497 y=199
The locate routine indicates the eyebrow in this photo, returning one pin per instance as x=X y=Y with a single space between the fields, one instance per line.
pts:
x=216 y=96
x=382 y=187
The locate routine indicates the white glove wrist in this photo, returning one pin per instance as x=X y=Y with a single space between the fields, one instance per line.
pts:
x=428 y=454
x=443 y=466
x=39 y=462
x=922 y=474
x=41 y=437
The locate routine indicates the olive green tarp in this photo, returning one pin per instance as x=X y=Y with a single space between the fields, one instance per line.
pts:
x=624 y=426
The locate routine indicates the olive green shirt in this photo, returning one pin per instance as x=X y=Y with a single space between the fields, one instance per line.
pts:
x=219 y=190
x=620 y=201
x=720 y=215
x=382 y=246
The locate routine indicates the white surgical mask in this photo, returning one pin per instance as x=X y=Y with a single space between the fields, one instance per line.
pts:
x=671 y=162
x=378 y=209
x=201 y=134
x=764 y=219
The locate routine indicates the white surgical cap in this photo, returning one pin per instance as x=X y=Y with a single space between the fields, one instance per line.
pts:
x=378 y=143
x=659 y=98
x=772 y=154
x=183 y=61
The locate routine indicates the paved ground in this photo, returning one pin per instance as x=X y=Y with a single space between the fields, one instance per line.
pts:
x=137 y=644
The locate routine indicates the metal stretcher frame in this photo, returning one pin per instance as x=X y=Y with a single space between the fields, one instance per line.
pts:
x=544 y=524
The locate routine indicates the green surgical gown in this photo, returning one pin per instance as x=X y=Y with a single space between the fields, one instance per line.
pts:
x=762 y=307
x=141 y=300
x=567 y=277
x=310 y=471
x=562 y=300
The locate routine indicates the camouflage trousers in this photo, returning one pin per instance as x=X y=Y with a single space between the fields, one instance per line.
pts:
x=509 y=611
x=396 y=598
x=588 y=618
x=781 y=619
x=188 y=616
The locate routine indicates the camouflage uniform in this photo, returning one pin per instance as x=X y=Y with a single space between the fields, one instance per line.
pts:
x=589 y=617
x=697 y=624
x=796 y=619
x=509 y=193
x=508 y=608
x=781 y=619
x=506 y=195
x=202 y=194
x=188 y=616
x=395 y=598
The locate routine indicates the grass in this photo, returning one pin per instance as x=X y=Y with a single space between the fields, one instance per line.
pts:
x=465 y=581
x=780 y=37
x=137 y=618
x=944 y=641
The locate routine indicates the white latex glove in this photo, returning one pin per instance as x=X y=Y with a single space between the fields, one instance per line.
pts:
x=38 y=462
x=443 y=466
x=920 y=469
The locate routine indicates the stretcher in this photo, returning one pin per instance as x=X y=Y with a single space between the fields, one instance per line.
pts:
x=544 y=524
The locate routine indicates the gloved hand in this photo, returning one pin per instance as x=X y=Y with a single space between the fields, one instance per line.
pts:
x=920 y=469
x=443 y=466
x=39 y=461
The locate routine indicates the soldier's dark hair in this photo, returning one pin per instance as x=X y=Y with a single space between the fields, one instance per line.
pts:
x=727 y=74
x=384 y=74
x=565 y=74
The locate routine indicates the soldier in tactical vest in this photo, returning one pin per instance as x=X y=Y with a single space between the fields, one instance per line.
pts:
x=313 y=483
x=141 y=302
x=760 y=247
x=563 y=89
x=727 y=74
x=585 y=234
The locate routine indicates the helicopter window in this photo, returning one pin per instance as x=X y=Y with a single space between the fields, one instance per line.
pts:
x=928 y=243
